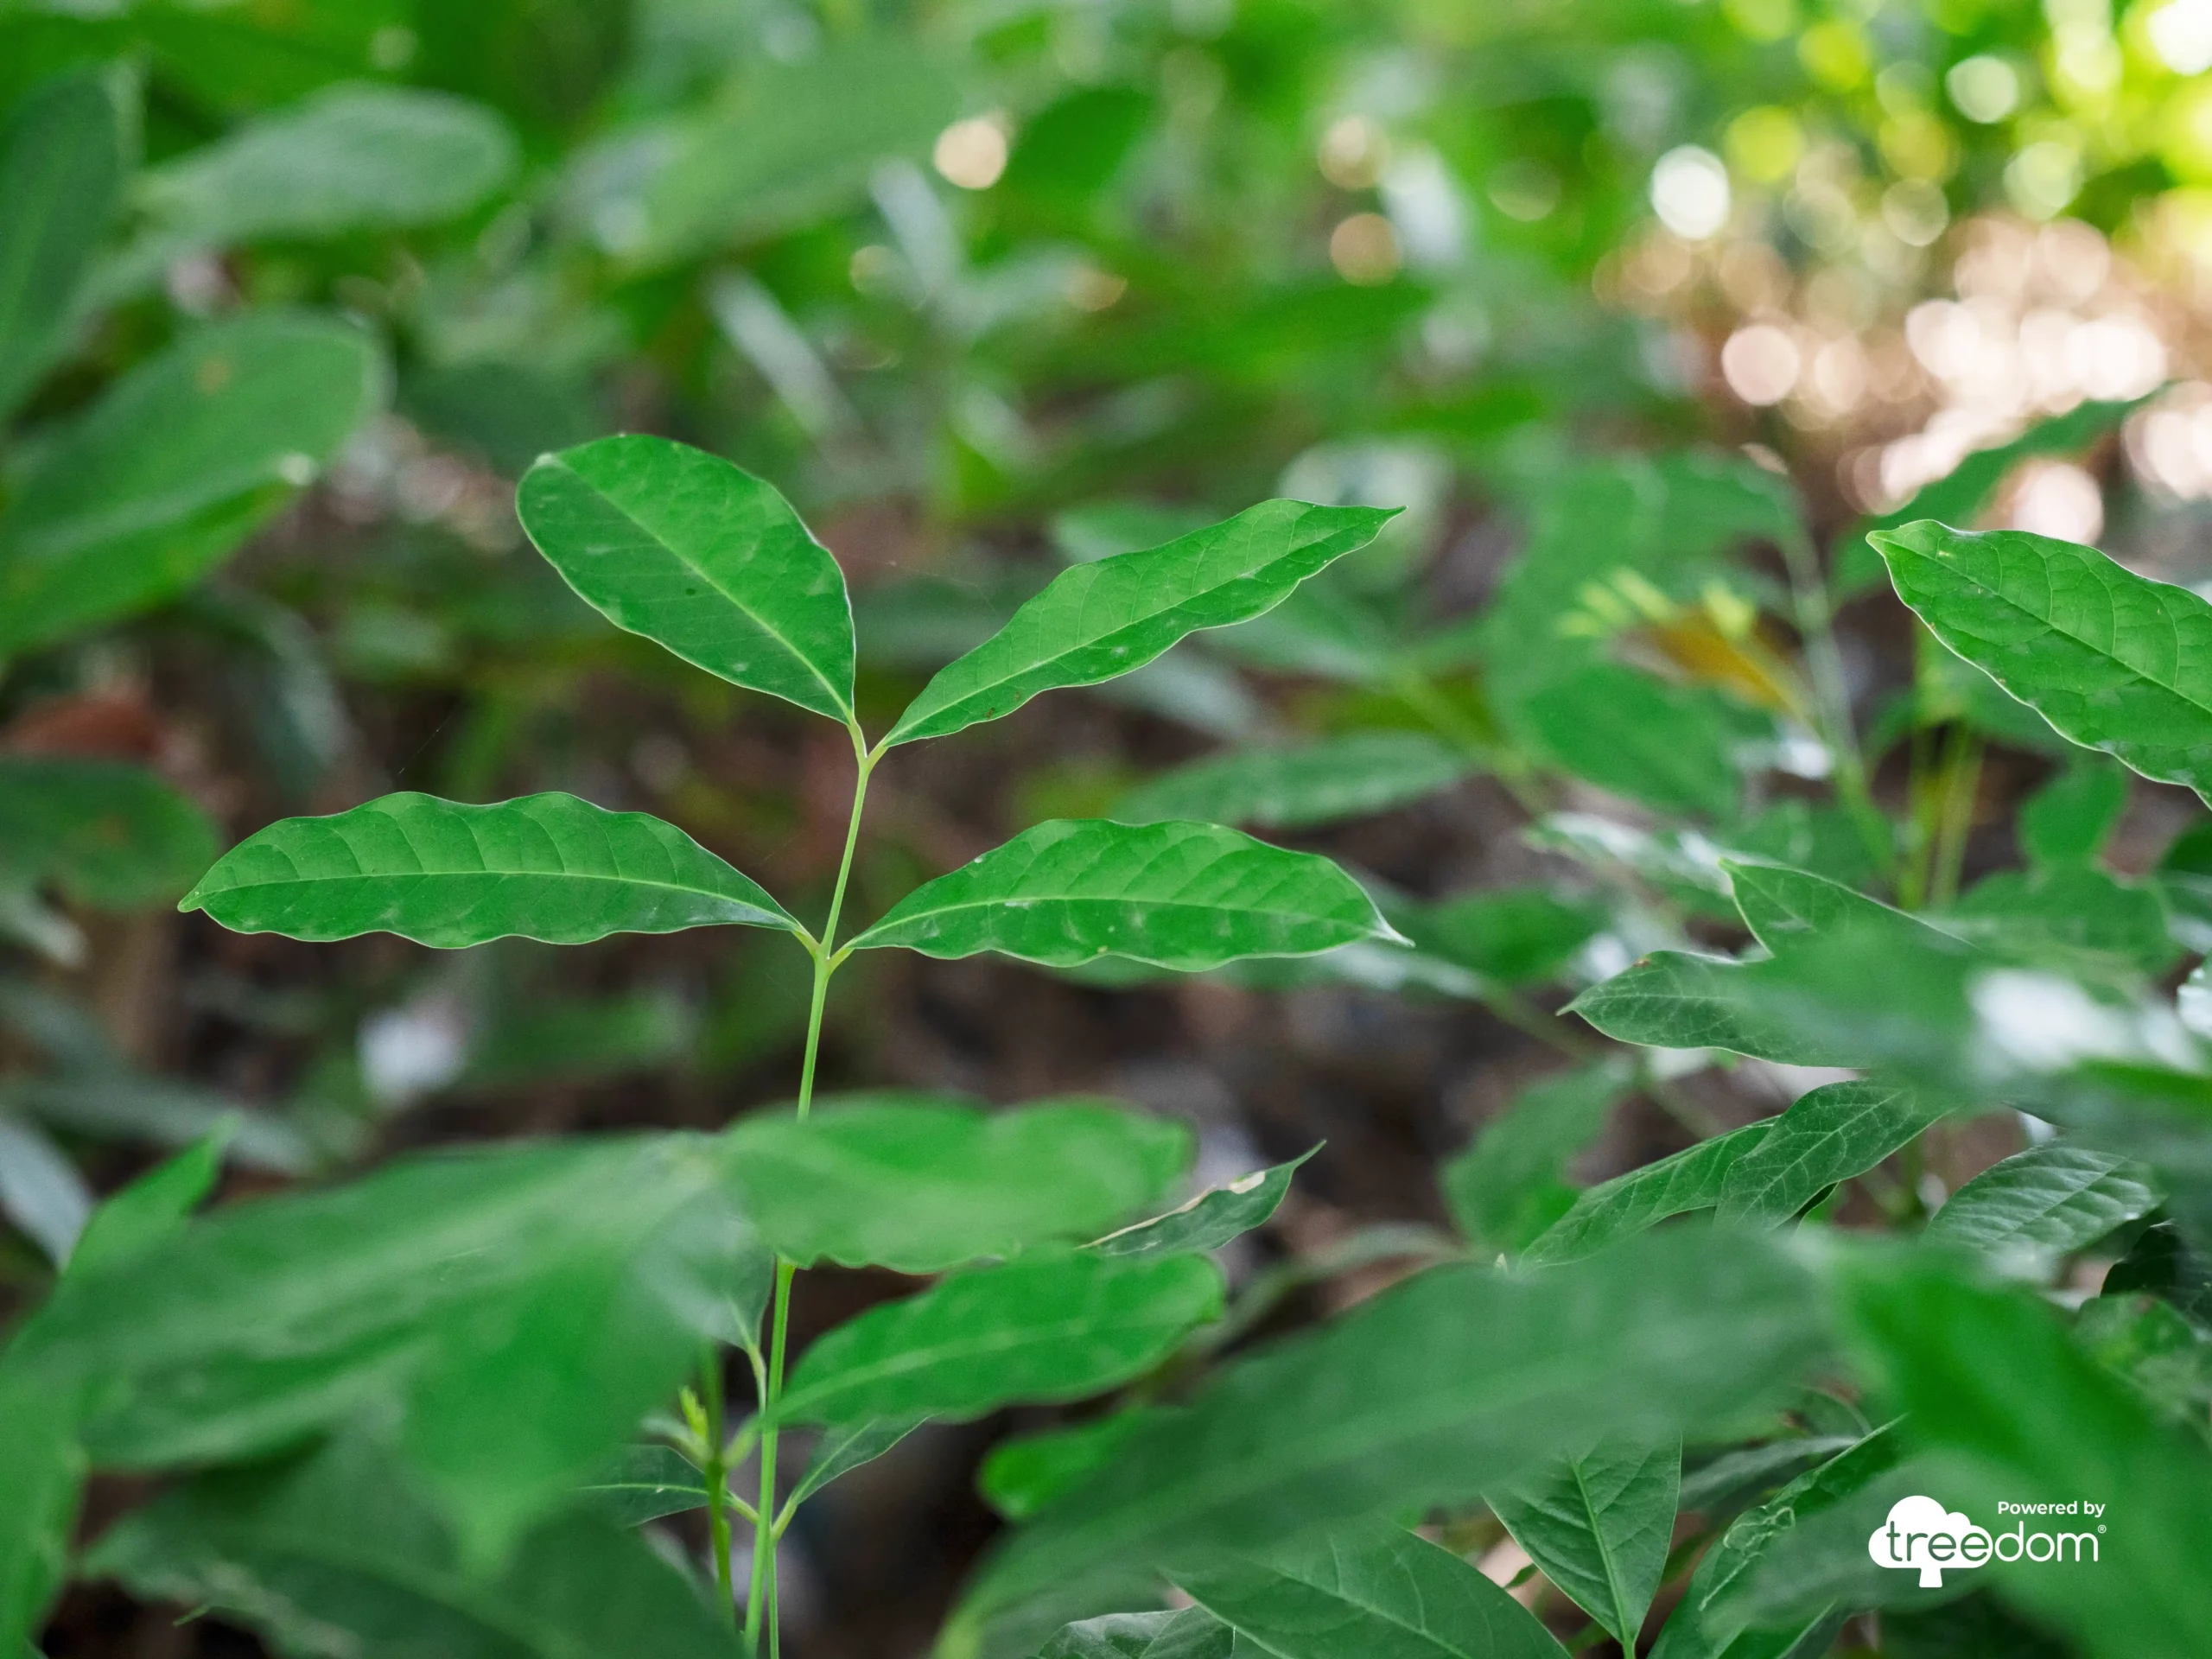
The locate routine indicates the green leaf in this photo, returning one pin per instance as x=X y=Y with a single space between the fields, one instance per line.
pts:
x=1669 y=746
x=146 y=1214
x=1368 y=1590
x=701 y=558
x=1210 y=1220
x=845 y=1446
x=545 y=867
x=643 y=1484
x=1783 y=908
x=175 y=465
x=1193 y=1633
x=1511 y=936
x=921 y=1183
x=1052 y=1324
x=331 y=1554
x=1021 y=1476
x=2113 y=660
x=42 y=1472
x=1453 y=1381
x=2068 y=820
x=1506 y=1188
x=1671 y=999
x=2043 y=1203
x=109 y=834
x=1828 y=1134
x=1993 y=1385
x=1183 y=896
x=1597 y=1524
x=521 y=1307
x=1097 y=621
x=1346 y=776
x=789 y=145
x=357 y=157
x=2068 y=916
x=1627 y=1205
x=1974 y=1627
x=61 y=166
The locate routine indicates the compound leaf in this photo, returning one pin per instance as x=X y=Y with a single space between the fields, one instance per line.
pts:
x=698 y=555
x=1599 y=1524
x=544 y=867
x=1097 y=621
x=1296 y=788
x=1182 y=896
x=1052 y=1324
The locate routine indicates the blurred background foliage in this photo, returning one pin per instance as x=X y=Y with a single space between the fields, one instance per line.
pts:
x=987 y=286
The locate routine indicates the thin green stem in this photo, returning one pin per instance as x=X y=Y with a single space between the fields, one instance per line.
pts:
x=1961 y=790
x=717 y=1473
x=761 y=1602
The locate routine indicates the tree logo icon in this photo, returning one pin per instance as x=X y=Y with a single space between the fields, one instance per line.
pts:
x=1920 y=1533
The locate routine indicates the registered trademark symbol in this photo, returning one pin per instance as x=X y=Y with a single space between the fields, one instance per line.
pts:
x=2101 y=1526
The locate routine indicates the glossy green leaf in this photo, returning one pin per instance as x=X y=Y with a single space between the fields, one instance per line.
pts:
x=2113 y=660
x=1050 y=1325
x=2068 y=820
x=173 y=468
x=1210 y=1220
x=1783 y=908
x=107 y=833
x=1507 y=1187
x=42 y=1472
x=1453 y=1381
x=922 y=1183
x=354 y=156
x=1672 y=999
x=701 y=556
x=545 y=867
x=1337 y=778
x=1828 y=1134
x=1368 y=1590
x=1192 y=1633
x=61 y=166
x=643 y=1484
x=844 y=1447
x=2044 y=1201
x=1994 y=1385
x=334 y=1549
x=1598 y=1523
x=1183 y=896
x=789 y=143
x=1627 y=1205
x=522 y=1308
x=1097 y=621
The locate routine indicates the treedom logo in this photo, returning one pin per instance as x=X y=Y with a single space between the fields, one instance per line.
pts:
x=1922 y=1534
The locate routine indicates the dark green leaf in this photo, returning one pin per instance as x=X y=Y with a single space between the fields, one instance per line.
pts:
x=545 y=867
x=1828 y=1134
x=1511 y=936
x=1211 y=1220
x=61 y=164
x=1506 y=1188
x=1099 y=620
x=2071 y=917
x=922 y=1183
x=1184 y=896
x=1052 y=1324
x=845 y=1446
x=332 y=1554
x=1671 y=747
x=1974 y=1627
x=1193 y=1633
x=1597 y=1524
x=42 y=1472
x=144 y=1215
x=174 y=467
x=1674 y=999
x=643 y=1484
x=1783 y=908
x=1021 y=1476
x=1368 y=1590
x=1295 y=788
x=2044 y=1201
x=1453 y=1381
x=701 y=556
x=109 y=834
x=1627 y=1205
x=2113 y=660
x=2068 y=820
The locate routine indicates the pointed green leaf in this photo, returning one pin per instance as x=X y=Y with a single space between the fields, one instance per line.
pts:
x=1192 y=1633
x=1599 y=1524
x=1211 y=1220
x=701 y=558
x=1337 y=777
x=174 y=467
x=843 y=1448
x=2113 y=660
x=152 y=1208
x=1672 y=999
x=1184 y=896
x=1453 y=1381
x=1100 y=621
x=2044 y=1201
x=332 y=1554
x=61 y=165
x=1828 y=1134
x=2069 y=916
x=42 y=1472
x=1506 y=1188
x=109 y=834
x=921 y=1183
x=1050 y=1325
x=1368 y=1590
x=545 y=867
x=1784 y=906
x=643 y=1484
x=1627 y=1205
